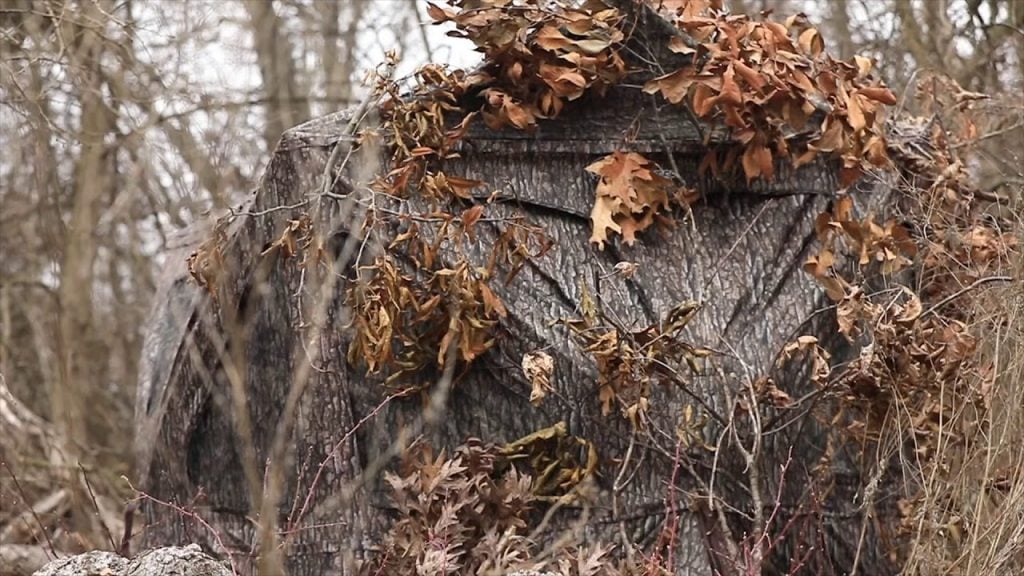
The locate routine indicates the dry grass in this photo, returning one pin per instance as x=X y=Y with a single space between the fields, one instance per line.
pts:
x=969 y=514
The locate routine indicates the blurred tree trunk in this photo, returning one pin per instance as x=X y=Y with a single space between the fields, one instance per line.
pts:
x=93 y=179
x=926 y=35
x=41 y=157
x=841 y=35
x=1017 y=20
x=287 y=102
x=339 y=50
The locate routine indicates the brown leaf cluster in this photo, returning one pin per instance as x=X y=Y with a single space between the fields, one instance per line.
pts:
x=911 y=351
x=416 y=129
x=557 y=461
x=630 y=196
x=206 y=263
x=765 y=80
x=887 y=246
x=628 y=361
x=407 y=315
x=469 y=513
x=920 y=375
x=299 y=238
x=455 y=514
x=769 y=80
x=538 y=56
x=959 y=246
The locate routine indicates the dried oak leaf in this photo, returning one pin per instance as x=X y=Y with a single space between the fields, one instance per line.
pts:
x=538 y=366
x=602 y=218
x=629 y=195
x=757 y=161
x=767 y=389
x=673 y=86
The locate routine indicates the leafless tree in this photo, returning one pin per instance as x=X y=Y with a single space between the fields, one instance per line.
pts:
x=119 y=123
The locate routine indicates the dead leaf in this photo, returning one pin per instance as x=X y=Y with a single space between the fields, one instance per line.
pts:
x=538 y=367
x=626 y=269
x=767 y=389
x=674 y=86
x=635 y=413
x=835 y=288
x=703 y=100
x=855 y=114
x=803 y=343
x=602 y=220
x=847 y=314
x=879 y=94
x=492 y=304
x=757 y=161
x=912 y=309
x=811 y=42
x=469 y=219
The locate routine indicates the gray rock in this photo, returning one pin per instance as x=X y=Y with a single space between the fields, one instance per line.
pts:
x=171 y=561
x=89 y=564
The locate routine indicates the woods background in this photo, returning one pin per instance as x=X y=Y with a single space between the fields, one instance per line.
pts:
x=121 y=122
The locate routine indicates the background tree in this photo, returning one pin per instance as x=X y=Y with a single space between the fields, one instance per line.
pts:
x=121 y=122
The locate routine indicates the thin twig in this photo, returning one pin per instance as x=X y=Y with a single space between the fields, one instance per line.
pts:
x=329 y=179
x=989 y=135
x=424 y=37
x=718 y=265
x=294 y=519
x=96 y=507
x=270 y=561
x=124 y=550
x=966 y=289
x=24 y=498
x=192 y=515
